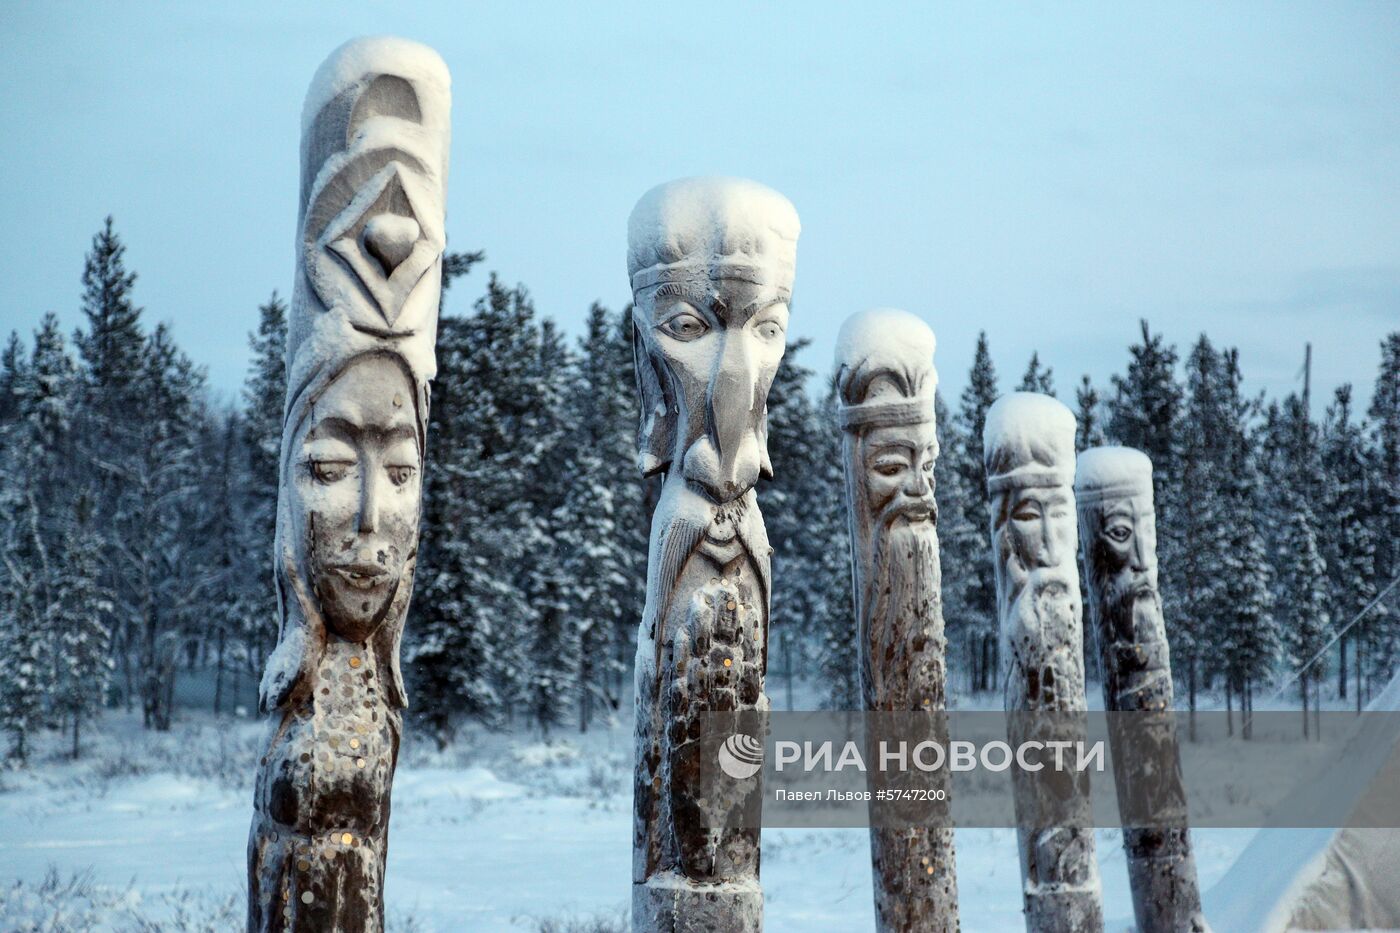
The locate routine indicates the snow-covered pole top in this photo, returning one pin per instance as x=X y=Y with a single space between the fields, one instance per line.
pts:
x=374 y=159
x=1112 y=473
x=1028 y=441
x=703 y=228
x=884 y=370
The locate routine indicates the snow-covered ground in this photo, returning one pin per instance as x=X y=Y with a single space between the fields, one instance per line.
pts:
x=498 y=833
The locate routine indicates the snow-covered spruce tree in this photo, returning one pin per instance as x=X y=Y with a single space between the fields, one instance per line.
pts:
x=976 y=610
x=111 y=347
x=835 y=661
x=156 y=519
x=25 y=591
x=551 y=678
x=1305 y=603
x=1203 y=468
x=12 y=365
x=1385 y=425
x=43 y=440
x=1037 y=378
x=1087 y=415
x=961 y=548
x=1349 y=541
x=227 y=553
x=264 y=393
x=467 y=641
x=601 y=553
x=1249 y=640
x=797 y=449
x=82 y=642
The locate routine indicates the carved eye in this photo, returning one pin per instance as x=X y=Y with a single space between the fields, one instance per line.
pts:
x=889 y=468
x=330 y=471
x=1026 y=512
x=770 y=330
x=685 y=326
x=398 y=475
x=928 y=466
x=1118 y=532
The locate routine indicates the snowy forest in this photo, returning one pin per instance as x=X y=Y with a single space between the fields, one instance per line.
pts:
x=137 y=512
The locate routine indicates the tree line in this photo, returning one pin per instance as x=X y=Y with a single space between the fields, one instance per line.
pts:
x=137 y=516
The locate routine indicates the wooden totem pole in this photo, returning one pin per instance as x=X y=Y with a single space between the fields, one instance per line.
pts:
x=1118 y=530
x=885 y=382
x=359 y=357
x=1028 y=447
x=711 y=261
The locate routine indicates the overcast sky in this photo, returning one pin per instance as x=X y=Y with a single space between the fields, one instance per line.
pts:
x=1050 y=174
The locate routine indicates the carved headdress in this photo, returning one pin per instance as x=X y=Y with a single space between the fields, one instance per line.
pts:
x=370 y=238
x=1028 y=441
x=884 y=370
x=1112 y=473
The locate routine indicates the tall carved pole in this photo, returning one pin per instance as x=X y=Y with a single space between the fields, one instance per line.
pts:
x=711 y=262
x=1118 y=530
x=1028 y=446
x=885 y=380
x=359 y=358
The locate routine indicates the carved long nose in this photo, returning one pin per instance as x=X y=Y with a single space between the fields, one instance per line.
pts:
x=731 y=404
x=369 y=501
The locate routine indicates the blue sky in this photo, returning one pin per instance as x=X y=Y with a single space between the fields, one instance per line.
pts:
x=1048 y=173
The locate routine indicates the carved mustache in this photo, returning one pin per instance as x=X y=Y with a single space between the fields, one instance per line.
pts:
x=913 y=508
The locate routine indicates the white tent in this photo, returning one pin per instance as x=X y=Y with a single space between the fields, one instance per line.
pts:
x=1321 y=879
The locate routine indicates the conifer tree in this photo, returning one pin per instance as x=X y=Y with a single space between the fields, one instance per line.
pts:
x=264 y=394
x=834 y=625
x=979 y=589
x=1385 y=420
x=1037 y=378
x=1306 y=617
x=1089 y=432
x=1348 y=540
x=83 y=643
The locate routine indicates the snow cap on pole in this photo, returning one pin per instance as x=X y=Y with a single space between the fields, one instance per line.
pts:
x=703 y=228
x=1028 y=441
x=884 y=370
x=1112 y=473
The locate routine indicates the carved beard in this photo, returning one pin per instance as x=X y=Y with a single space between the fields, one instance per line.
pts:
x=1043 y=616
x=902 y=589
x=1129 y=603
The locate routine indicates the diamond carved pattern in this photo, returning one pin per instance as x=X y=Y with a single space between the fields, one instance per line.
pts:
x=383 y=242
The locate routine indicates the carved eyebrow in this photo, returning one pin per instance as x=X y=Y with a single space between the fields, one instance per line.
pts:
x=344 y=430
x=762 y=304
x=334 y=427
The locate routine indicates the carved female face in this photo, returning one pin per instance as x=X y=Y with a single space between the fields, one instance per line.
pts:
x=721 y=345
x=355 y=477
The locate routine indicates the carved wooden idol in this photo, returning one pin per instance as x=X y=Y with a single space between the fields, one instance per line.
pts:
x=711 y=261
x=359 y=357
x=1118 y=529
x=1028 y=446
x=885 y=381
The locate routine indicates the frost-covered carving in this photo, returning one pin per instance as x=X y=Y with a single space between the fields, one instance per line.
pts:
x=359 y=358
x=1028 y=447
x=1118 y=529
x=885 y=380
x=711 y=261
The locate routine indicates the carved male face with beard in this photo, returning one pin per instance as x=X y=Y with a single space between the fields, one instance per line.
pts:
x=1036 y=537
x=1121 y=534
x=899 y=492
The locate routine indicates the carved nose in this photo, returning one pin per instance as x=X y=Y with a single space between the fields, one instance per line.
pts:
x=369 y=503
x=389 y=238
x=732 y=405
